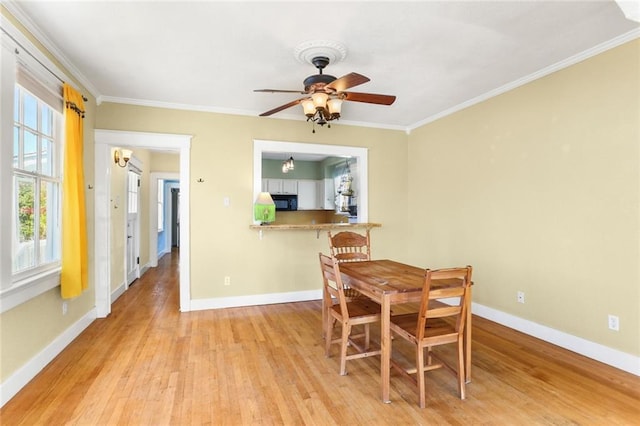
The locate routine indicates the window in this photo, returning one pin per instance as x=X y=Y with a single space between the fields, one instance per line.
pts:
x=36 y=185
x=31 y=146
x=132 y=191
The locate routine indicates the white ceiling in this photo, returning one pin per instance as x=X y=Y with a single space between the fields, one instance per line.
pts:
x=436 y=57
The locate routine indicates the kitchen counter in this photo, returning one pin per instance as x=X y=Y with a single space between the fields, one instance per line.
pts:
x=314 y=227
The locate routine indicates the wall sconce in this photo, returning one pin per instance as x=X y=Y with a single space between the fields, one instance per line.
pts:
x=124 y=155
x=264 y=209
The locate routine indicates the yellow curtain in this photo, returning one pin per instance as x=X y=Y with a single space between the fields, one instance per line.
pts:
x=74 y=225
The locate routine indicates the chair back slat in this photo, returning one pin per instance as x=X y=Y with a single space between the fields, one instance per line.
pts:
x=442 y=284
x=331 y=275
x=448 y=311
x=348 y=246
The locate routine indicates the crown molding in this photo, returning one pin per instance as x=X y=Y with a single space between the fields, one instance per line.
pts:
x=572 y=60
x=14 y=8
x=230 y=111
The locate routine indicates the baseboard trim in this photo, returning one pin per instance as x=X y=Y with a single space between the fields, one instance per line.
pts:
x=604 y=354
x=10 y=387
x=117 y=292
x=144 y=268
x=257 y=299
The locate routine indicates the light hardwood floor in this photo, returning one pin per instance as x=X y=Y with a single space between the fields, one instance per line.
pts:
x=147 y=364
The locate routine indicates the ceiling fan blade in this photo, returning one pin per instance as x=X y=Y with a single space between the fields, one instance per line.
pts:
x=370 y=98
x=347 y=81
x=279 y=91
x=281 y=107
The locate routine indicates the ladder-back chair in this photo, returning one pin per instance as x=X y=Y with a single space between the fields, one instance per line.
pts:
x=437 y=323
x=360 y=311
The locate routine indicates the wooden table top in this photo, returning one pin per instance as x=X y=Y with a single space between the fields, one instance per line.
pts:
x=387 y=276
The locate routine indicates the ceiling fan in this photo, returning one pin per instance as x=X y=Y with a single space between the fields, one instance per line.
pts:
x=325 y=94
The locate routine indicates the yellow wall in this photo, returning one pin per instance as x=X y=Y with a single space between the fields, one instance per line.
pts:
x=163 y=162
x=539 y=190
x=144 y=156
x=222 y=155
x=117 y=204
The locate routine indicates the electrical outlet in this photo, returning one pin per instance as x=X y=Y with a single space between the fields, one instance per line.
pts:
x=614 y=323
x=65 y=307
x=227 y=280
x=521 y=297
x=226 y=201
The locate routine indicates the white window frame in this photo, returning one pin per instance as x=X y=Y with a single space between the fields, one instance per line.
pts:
x=56 y=177
x=21 y=288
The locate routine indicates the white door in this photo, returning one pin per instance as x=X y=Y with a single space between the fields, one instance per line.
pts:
x=133 y=226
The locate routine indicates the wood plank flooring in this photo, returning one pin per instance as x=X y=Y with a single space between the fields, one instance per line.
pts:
x=148 y=364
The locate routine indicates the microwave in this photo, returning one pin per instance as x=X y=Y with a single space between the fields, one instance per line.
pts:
x=285 y=202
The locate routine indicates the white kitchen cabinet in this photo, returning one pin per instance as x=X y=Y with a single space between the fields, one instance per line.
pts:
x=328 y=194
x=280 y=186
x=307 y=194
x=289 y=186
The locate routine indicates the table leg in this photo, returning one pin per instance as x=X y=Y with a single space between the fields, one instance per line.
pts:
x=467 y=340
x=385 y=337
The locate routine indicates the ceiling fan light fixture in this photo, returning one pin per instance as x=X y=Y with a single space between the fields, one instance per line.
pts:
x=324 y=93
x=335 y=107
x=320 y=100
x=308 y=107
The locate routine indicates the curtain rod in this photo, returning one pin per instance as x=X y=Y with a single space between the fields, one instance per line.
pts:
x=84 y=98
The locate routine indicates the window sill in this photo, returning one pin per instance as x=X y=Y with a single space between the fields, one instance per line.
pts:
x=28 y=288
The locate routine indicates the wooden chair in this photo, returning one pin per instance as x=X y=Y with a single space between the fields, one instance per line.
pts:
x=361 y=311
x=348 y=246
x=437 y=323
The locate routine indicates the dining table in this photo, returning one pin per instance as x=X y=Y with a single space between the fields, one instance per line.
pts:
x=388 y=283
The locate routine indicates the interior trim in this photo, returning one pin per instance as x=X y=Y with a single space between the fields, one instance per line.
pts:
x=13 y=384
x=604 y=354
x=104 y=141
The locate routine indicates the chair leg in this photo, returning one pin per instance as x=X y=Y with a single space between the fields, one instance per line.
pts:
x=331 y=322
x=420 y=376
x=346 y=331
x=461 y=371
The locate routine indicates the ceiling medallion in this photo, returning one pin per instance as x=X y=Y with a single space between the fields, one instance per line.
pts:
x=305 y=52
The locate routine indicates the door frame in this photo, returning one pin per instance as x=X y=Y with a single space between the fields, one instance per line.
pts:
x=133 y=166
x=154 y=177
x=105 y=140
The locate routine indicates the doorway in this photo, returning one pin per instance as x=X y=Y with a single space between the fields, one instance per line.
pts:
x=175 y=217
x=105 y=141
